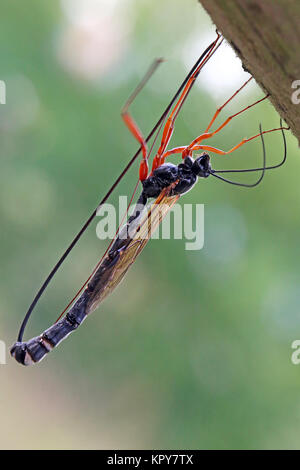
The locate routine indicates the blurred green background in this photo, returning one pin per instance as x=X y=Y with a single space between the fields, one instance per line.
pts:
x=193 y=350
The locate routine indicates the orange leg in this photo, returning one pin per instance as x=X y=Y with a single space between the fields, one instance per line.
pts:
x=242 y=142
x=208 y=148
x=226 y=102
x=131 y=124
x=208 y=135
x=169 y=126
x=133 y=128
x=172 y=152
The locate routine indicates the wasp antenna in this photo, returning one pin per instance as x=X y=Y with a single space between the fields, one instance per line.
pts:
x=246 y=185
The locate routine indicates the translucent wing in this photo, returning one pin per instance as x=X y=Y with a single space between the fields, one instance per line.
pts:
x=112 y=270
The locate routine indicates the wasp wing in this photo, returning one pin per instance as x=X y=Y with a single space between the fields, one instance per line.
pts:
x=112 y=269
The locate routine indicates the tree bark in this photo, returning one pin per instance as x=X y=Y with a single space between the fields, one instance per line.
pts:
x=266 y=36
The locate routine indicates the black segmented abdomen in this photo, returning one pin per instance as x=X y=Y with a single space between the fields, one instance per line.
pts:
x=36 y=348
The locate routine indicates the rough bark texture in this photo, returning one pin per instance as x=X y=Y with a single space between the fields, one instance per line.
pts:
x=266 y=36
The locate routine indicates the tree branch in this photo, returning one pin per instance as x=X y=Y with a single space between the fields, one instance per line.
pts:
x=266 y=36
